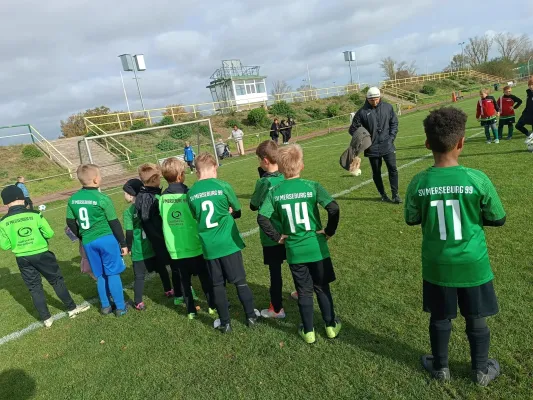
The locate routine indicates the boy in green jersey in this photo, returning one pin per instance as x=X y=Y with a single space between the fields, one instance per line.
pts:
x=273 y=252
x=215 y=206
x=294 y=203
x=140 y=248
x=26 y=233
x=181 y=235
x=91 y=216
x=453 y=204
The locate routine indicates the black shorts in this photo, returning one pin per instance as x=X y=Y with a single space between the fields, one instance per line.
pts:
x=474 y=302
x=191 y=265
x=274 y=254
x=507 y=121
x=229 y=268
x=313 y=273
x=488 y=122
x=150 y=264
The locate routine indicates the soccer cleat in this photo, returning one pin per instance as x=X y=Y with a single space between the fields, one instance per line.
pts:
x=484 y=378
x=140 y=306
x=178 y=301
x=252 y=322
x=216 y=323
x=308 y=337
x=385 y=198
x=78 y=310
x=271 y=313
x=396 y=199
x=509 y=137
x=106 y=310
x=48 y=322
x=211 y=311
x=191 y=315
x=120 y=313
x=442 y=374
x=333 y=331
x=529 y=138
x=170 y=293
x=497 y=141
x=194 y=295
x=294 y=295
x=488 y=141
x=192 y=172
x=225 y=328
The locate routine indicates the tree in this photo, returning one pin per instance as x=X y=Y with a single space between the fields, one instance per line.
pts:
x=279 y=90
x=394 y=70
x=512 y=47
x=74 y=125
x=502 y=66
x=477 y=49
x=177 y=112
x=458 y=62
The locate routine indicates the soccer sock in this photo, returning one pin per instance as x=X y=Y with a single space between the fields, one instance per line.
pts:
x=185 y=277
x=207 y=287
x=479 y=338
x=439 y=335
x=494 y=131
x=305 y=305
x=139 y=271
x=101 y=286
x=115 y=287
x=487 y=132
x=165 y=279
x=511 y=129
x=176 y=283
x=246 y=298
x=276 y=286
x=221 y=301
x=325 y=302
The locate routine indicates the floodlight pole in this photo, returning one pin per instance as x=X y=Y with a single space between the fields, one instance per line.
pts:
x=126 y=96
x=138 y=86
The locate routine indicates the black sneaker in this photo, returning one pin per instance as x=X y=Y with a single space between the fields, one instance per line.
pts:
x=106 y=310
x=484 y=378
x=252 y=322
x=385 y=198
x=396 y=199
x=442 y=374
x=225 y=328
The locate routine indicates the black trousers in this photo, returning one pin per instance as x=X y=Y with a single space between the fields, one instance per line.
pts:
x=376 y=164
x=186 y=268
x=28 y=203
x=45 y=264
x=521 y=125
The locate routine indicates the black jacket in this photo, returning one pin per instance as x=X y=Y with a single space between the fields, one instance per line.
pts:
x=382 y=124
x=274 y=130
x=147 y=205
x=527 y=114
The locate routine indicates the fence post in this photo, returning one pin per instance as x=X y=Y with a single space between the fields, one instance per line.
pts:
x=328 y=127
x=172 y=112
x=149 y=117
x=119 y=123
x=194 y=110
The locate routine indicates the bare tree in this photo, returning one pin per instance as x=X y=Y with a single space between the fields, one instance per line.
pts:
x=388 y=65
x=458 y=62
x=395 y=70
x=279 y=89
x=512 y=46
x=478 y=48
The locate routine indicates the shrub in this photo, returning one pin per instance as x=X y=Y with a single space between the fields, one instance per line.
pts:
x=230 y=123
x=31 y=151
x=365 y=89
x=428 y=89
x=281 y=108
x=356 y=99
x=314 y=112
x=181 y=132
x=166 y=120
x=204 y=130
x=257 y=116
x=332 y=110
x=167 y=145
x=138 y=125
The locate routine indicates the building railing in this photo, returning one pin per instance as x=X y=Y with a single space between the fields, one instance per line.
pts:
x=110 y=143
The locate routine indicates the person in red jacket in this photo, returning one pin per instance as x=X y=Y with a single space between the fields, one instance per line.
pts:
x=507 y=103
x=487 y=112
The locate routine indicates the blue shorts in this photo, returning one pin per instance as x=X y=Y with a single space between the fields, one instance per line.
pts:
x=104 y=256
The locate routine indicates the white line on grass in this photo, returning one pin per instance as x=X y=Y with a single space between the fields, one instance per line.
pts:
x=37 y=325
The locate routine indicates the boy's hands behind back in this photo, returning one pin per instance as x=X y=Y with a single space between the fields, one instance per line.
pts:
x=124 y=251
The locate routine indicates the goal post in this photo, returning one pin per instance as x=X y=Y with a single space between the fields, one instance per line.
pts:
x=133 y=147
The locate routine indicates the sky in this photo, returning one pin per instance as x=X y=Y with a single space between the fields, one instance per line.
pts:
x=59 y=57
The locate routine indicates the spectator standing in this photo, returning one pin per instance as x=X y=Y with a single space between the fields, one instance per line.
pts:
x=274 y=130
x=290 y=124
x=21 y=184
x=379 y=119
x=284 y=127
x=238 y=135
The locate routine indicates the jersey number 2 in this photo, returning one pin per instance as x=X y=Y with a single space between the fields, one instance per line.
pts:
x=301 y=217
x=84 y=218
x=456 y=213
x=210 y=208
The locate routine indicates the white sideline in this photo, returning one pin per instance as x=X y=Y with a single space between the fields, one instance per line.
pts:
x=37 y=325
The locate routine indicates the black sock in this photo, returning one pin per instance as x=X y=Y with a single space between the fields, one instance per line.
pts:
x=246 y=298
x=305 y=304
x=165 y=279
x=221 y=301
x=479 y=338
x=325 y=302
x=439 y=335
x=276 y=286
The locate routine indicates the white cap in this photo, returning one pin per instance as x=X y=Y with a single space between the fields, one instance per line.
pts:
x=373 y=93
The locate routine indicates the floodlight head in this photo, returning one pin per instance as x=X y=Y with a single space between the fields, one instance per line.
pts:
x=139 y=62
x=349 y=56
x=127 y=62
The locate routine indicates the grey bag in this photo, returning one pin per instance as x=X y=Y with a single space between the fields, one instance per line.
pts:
x=361 y=140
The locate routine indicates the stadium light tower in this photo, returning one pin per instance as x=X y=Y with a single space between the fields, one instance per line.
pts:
x=462 y=54
x=134 y=63
x=350 y=56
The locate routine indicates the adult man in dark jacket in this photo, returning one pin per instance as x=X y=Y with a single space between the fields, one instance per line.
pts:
x=379 y=119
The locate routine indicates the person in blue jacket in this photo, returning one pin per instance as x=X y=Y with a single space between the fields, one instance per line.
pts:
x=189 y=156
x=20 y=184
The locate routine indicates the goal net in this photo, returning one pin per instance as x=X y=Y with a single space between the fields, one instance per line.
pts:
x=121 y=152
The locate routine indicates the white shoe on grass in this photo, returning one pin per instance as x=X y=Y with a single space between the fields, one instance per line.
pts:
x=217 y=323
x=488 y=142
x=271 y=313
x=48 y=322
x=497 y=141
x=78 y=310
x=529 y=138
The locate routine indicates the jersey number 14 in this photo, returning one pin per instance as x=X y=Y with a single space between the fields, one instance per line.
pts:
x=301 y=214
x=456 y=213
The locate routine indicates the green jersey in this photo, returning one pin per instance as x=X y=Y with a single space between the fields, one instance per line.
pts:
x=262 y=187
x=210 y=200
x=451 y=204
x=24 y=232
x=179 y=227
x=294 y=202
x=92 y=211
x=141 y=248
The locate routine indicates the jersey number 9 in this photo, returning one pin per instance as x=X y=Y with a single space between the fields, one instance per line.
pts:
x=84 y=218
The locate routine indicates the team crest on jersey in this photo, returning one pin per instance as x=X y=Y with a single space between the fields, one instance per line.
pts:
x=24 y=232
x=176 y=214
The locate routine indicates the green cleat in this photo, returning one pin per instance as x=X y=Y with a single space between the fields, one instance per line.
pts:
x=194 y=295
x=308 y=337
x=211 y=311
x=191 y=316
x=333 y=331
x=178 y=301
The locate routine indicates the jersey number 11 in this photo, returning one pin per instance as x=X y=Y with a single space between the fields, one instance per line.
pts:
x=456 y=212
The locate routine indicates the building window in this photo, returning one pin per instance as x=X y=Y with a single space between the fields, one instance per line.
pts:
x=260 y=87
x=240 y=90
x=250 y=88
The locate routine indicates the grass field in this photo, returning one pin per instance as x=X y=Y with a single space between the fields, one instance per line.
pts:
x=159 y=354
